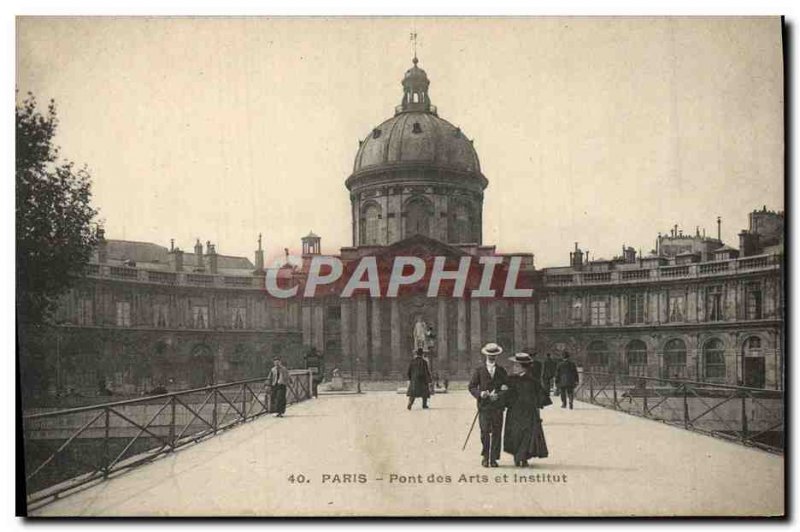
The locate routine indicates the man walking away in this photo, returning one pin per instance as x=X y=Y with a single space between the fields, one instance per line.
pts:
x=419 y=380
x=278 y=379
x=488 y=385
x=567 y=375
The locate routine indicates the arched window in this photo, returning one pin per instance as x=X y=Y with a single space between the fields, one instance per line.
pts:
x=460 y=224
x=636 y=357
x=597 y=356
x=418 y=214
x=370 y=224
x=675 y=359
x=714 y=360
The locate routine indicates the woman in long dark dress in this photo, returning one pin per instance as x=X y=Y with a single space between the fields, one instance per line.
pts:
x=523 y=435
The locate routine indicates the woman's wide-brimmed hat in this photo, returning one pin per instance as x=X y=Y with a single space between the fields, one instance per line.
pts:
x=522 y=358
x=492 y=349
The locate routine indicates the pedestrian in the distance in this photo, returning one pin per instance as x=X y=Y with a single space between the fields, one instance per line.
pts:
x=278 y=379
x=567 y=375
x=419 y=380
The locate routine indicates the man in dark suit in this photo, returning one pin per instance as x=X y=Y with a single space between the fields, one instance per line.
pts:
x=488 y=385
x=419 y=380
x=567 y=379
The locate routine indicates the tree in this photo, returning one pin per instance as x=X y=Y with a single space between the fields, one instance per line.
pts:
x=54 y=215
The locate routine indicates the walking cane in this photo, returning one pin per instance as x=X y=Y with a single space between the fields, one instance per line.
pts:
x=470 y=430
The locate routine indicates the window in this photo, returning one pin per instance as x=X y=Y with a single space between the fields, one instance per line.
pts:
x=635 y=311
x=636 y=357
x=416 y=128
x=752 y=347
x=713 y=303
x=460 y=224
x=714 y=358
x=238 y=315
x=676 y=307
x=419 y=212
x=160 y=314
x=577 y=309
x=334 y=312
x=85 y=316
x=599 y=306
x=753 y=301
x=597 y=356
x=200 y=317
x=371 y=224
x=675 y=358
x=123 y=314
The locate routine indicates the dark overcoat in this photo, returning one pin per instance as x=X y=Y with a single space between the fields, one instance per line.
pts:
x=567 y=374
x=482 y=381
x=523 y=436
x=419 y=378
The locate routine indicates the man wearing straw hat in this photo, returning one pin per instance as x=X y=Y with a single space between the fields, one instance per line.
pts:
x=488 y=386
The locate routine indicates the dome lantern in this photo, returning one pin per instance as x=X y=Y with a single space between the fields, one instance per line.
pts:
x=415 y=91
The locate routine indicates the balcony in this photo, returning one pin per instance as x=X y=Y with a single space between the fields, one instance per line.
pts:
x=141 y=275
x=667 y=273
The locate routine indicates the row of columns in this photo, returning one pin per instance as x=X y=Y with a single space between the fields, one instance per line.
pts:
x=462 y=327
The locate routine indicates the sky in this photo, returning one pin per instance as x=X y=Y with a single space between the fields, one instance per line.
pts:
x=602 y=131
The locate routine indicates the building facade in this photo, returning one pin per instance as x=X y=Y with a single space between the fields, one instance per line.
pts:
x=146 y=317
x=695 y=309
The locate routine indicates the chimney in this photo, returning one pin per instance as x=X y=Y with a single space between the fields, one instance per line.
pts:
x=259 y=256
x=198 y=253
x=719 y=228
x=102 y=245
x=171 y=245
x=212 y=257
x=178 y=259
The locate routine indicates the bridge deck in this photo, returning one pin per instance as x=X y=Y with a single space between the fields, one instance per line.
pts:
x=607 y=463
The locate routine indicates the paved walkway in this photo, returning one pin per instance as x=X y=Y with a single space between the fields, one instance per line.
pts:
x=601 y=463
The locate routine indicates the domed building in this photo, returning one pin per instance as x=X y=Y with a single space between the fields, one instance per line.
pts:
x=416 y=173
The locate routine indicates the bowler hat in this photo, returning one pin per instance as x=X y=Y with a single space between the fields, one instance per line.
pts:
x=492 y=349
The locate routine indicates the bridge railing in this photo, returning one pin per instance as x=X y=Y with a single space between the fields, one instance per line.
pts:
x=65 y=449
x=751 y=416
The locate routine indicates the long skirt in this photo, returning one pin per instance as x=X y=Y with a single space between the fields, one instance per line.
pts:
x=526 y=440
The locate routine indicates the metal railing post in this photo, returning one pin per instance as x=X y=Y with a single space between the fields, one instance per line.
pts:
x=685 y=407
x=614 y=386
x=744 y=417
x=244 y=403
x=591 y=388
x=105 y=443
x=172 y=424
x=214 y=413
x=644 y=398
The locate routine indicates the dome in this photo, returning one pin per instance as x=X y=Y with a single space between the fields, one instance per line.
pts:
x=416 y=137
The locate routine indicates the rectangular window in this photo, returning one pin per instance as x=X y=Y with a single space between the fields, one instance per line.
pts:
x=160 y=315
x=713 y=303
x=753 y=301
x=599 y=311
x=85 y=316
x=238 y=320
x=577 y=309
x=677 y=308
x=635 y=311
x=123 y=314
x=200 y=317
